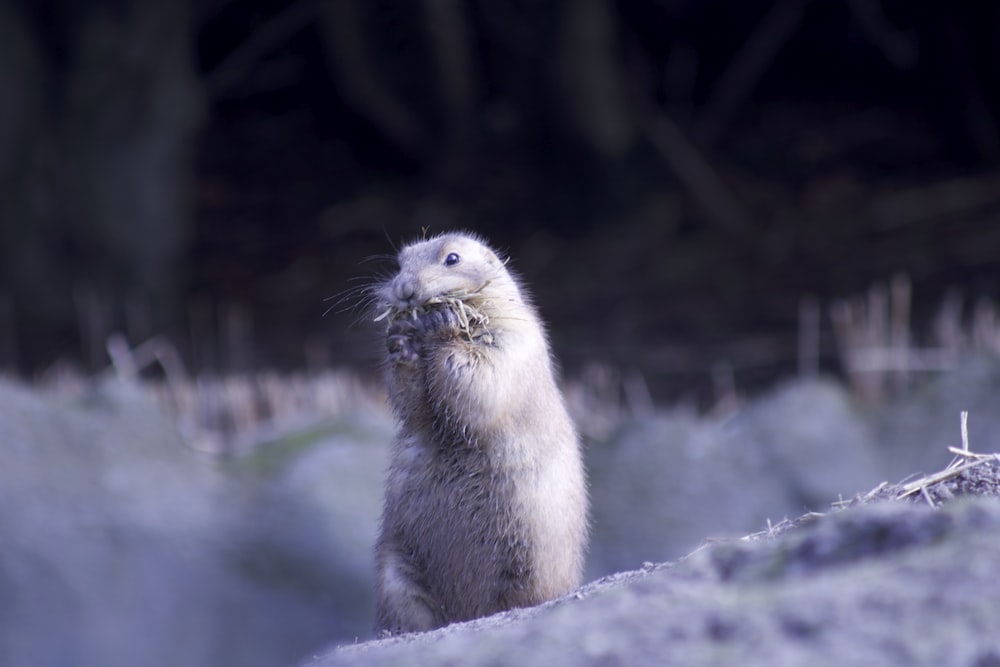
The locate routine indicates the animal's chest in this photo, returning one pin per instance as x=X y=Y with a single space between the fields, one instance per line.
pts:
x=464 y=501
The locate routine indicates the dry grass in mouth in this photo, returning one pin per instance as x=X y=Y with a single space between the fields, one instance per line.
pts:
x=471 y=320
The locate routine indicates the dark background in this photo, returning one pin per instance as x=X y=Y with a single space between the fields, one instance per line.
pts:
x=670 y=177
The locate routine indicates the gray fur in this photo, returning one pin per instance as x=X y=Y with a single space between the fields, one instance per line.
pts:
x=485 y=500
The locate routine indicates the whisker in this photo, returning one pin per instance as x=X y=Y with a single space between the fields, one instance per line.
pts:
x=362 y=297
x=392 y=244
x=381 y=257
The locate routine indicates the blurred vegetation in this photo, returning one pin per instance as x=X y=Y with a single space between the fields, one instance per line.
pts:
x=671 y=178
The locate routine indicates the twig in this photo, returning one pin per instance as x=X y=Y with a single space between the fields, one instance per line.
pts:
x=93 y=313
x=973 y=455
x=913 y=487
x=237 y=334
x=900 y=297
x=128 y=361
x=724 y=386
x=927 y=497
x=637 y=396
x=964 y=417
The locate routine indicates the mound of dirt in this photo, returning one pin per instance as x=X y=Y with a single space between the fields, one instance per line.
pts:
x=884 y=579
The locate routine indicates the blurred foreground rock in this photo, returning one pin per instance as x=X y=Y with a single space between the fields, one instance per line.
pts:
x=662 y=485
x=914 y=431
x=119 y=545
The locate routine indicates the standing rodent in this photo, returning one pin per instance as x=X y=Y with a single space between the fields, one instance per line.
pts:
x=485 y=500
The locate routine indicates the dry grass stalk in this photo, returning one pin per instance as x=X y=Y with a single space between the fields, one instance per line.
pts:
x=954 y=469
x=227 y=414
x=809 y=337
x=876 y=347
x=964 y=461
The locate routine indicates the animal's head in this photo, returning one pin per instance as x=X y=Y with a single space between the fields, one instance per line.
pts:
x=454 y=265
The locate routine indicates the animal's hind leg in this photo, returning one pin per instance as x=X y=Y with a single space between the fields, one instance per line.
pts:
x=401 y=604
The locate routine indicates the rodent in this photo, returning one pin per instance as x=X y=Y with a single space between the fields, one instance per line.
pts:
x=485 y=498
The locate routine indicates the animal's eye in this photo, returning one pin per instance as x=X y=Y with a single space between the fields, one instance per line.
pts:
x=452 y=259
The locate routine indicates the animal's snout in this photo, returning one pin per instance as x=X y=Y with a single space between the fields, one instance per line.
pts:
x=403 y=290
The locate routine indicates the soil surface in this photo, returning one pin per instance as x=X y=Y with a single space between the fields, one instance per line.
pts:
x=883 y=579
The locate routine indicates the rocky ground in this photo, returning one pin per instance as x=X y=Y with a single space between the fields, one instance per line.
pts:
x=887 y=582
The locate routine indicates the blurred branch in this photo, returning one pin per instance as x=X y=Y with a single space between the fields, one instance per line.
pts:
x=945 y=200
x=588 y=73
x=683 y=157
x=206 y=10
x=264 y=39
x=449 y=39
x=809 y=337
x=361 y=85
x=748 y=66
x=129 y=362
x=898 y=48
x=94 y=315
x=697 y=175
x=680 y=77
x=969 y=58
x=511 y=25
x=8 y=334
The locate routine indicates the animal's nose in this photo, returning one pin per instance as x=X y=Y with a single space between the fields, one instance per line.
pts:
x=403 y=289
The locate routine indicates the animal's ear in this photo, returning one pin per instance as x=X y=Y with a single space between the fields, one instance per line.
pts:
x=493 y=257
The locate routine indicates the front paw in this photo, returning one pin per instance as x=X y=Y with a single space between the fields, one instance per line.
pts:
x=401 y=341
x=442 y=322
x=402 y=348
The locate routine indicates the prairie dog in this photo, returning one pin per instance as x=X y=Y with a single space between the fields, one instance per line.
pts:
x=485 y=499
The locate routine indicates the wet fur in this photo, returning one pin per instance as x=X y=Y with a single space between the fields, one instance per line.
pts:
x=485 y=502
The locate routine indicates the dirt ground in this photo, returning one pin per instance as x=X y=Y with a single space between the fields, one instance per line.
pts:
x=902 y=575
